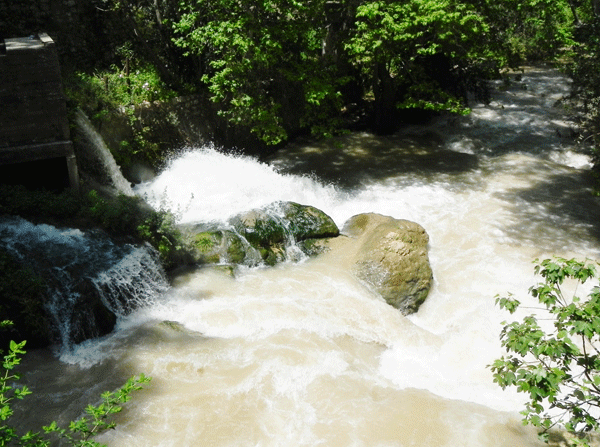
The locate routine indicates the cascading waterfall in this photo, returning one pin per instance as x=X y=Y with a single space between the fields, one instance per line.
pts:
x=99 y=156
x=304 y=354
x=134 y=281
x=81 y=268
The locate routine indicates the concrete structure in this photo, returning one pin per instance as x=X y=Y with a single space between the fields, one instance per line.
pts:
x=35 y=146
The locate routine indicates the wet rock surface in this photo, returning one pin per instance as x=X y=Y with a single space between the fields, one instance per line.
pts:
x=278 y=232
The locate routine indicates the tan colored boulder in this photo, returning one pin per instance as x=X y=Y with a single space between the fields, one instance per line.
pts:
x=391 y=256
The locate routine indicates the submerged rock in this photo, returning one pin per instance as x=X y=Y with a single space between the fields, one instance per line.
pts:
x=391 y=256
x=308 y=222
x=283 y=220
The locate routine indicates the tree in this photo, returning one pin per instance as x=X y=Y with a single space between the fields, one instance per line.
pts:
x=263 y=63
x=417 y=54
x=585 y=73
x=557 y=367
x=529 y=30
x=141 y=32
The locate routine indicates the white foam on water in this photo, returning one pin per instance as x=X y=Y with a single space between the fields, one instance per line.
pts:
x=204 y=185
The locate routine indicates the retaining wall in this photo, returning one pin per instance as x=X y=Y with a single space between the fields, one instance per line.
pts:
x=33 y=113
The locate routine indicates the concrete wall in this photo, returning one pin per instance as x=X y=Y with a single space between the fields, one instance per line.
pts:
x=76 y=26
x=33 y=112
x=33 y=104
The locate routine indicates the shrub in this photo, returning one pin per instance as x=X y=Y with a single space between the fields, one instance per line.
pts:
x=23 y=294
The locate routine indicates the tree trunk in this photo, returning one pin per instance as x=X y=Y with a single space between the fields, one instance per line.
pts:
x=574 y=12
x=384 y=91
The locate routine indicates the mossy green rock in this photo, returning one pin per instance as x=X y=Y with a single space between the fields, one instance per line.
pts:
x=261 y=235
x=308 y=222
x=220 y=246
x=280 y=220
x=269 y=229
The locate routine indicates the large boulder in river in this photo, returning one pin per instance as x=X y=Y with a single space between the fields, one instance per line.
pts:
x=391 y=256
x=271 y=234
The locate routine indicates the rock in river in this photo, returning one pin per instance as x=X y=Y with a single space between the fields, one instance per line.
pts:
x=263 y=235
x=391 y=256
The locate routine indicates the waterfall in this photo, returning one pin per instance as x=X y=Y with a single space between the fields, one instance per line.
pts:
x=84 y=270
x=304 y=354
x=98 y=157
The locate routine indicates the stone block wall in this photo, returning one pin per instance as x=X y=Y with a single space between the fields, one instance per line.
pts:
x=33 y=104
x=33 y=116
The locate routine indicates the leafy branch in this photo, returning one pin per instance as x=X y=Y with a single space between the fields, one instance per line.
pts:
x=559 y=368
x=97 y=418
x=80 y=432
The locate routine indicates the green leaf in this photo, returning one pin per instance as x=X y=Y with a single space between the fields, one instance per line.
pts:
x=541 y=356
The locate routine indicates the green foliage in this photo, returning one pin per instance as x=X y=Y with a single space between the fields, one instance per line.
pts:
x=78 y=433
x=116 y=215
x=23 y=293
x=268 y=63
x=116 y=87
x=204 y=242
x=276 y=67
x=123 y=216
x=530 y=30
x=130 y=216
x=586 y=82
x=120 y=90
x=97 y=419
x=158 y=228
x=264 y=63
x=266 y=232
x=558 y=364
x=408 y=50
x=18 y=200
x=140 y=145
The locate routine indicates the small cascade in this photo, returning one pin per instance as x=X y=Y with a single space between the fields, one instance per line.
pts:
x=136 y=280
x=97 y=156
x=276 y=214
x=91 y=279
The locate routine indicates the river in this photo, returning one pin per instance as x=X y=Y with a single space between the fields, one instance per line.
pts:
x=303 y=354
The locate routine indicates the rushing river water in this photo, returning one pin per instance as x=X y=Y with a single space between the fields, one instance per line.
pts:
x=303 y=354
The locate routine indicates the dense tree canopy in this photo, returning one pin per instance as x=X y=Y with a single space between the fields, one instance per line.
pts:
x=286 y=64
x=417 y=54
x=281 y=67
x=263 y=62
